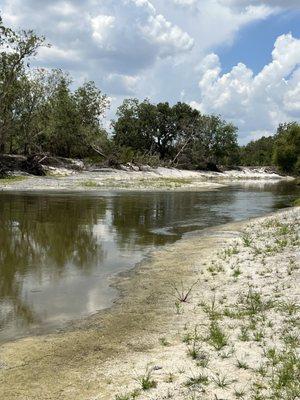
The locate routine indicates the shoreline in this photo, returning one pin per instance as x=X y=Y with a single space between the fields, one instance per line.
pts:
x=62 y=180
x=91 y=358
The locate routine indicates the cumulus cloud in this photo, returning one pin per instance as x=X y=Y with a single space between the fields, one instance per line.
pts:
x=254 y=102
x=121 y=36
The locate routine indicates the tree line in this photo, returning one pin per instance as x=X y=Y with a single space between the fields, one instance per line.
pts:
x=281 y=150
x=42 y=113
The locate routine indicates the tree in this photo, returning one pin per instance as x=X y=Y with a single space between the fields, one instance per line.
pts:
x=16 y=49
x=258 y=152
x=287 y=148
x=211 y=142
x=179 y=134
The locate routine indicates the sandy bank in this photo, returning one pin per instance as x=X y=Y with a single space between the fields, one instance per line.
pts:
x=227 y=341
x=60 y=179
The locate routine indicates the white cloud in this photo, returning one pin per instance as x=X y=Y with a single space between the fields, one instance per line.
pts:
x=101 y=25
x=185 y=2
x=171 y=38
x=254 y=102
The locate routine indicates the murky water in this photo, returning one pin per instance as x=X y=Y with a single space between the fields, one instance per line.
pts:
x=58 y=251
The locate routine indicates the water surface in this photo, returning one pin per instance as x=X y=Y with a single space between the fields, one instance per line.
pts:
x=58 y=251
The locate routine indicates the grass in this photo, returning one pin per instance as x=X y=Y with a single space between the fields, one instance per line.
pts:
x=12 y=179
x=128 y=396
x=222 y=381
x=296 y=203
x=90 y=184
x=247 y=240
x=241 y=364
x=198 y=380
x=217 y=338
x=146 y=380
x=211 y=309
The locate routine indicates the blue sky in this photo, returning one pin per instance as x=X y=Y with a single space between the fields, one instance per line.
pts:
x=254 y=43
x=236 y=58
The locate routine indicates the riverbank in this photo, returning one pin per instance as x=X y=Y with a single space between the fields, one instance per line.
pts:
x=233 y=335
x=62 y=179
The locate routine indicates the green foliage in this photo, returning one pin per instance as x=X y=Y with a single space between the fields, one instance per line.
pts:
x=286 y=152
x=178 y=134
x=217 y=338
x=258 y=152
x=38 y=110
x=281 y=150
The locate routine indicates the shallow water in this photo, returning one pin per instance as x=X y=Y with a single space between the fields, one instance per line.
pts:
x=58 y=251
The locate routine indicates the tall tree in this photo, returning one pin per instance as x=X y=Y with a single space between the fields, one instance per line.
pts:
x=16 y=50
x=287 y=148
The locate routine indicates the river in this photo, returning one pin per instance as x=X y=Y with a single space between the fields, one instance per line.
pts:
x=58 y=252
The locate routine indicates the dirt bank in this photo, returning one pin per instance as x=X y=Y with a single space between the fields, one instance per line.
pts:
x=227 y=340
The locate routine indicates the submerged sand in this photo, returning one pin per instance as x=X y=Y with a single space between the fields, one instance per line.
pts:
x=226 y=341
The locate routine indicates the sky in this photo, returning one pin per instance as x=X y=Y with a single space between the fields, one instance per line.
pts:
x=236 y=58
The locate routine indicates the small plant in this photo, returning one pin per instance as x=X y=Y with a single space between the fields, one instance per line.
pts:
x=237 y=272
x=253 y=303
x=191 y=336
x=258 y=336
x=211 y=309
x=129 y=396
x=146 y=381
x=182 y=294
x=221 y=381
x=242 y=364
x=289 y=307
x=247 y=240
x=244 y=335
x=123 y=397
x=217 y=338
x=170 y=378
x=239 y=393
x=198 y=380
x=163 y=341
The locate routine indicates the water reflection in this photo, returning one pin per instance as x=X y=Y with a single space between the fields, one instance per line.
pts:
x=57 y=252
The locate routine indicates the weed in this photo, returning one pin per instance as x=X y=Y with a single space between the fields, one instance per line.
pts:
x=244 y=335
x=170 y=378
x=242 y=364
x=191 y=337
x=258 y=336
x=239 y=393
x=163 y=341
x=146 y=381
x=289 y=307
x=222 y=381
x=129 y=396
x=285 y=382
x=237 y=272
x=182 y=294
x=211 y=309
x=247 y=240
x=217 y=338
x=198 y=380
